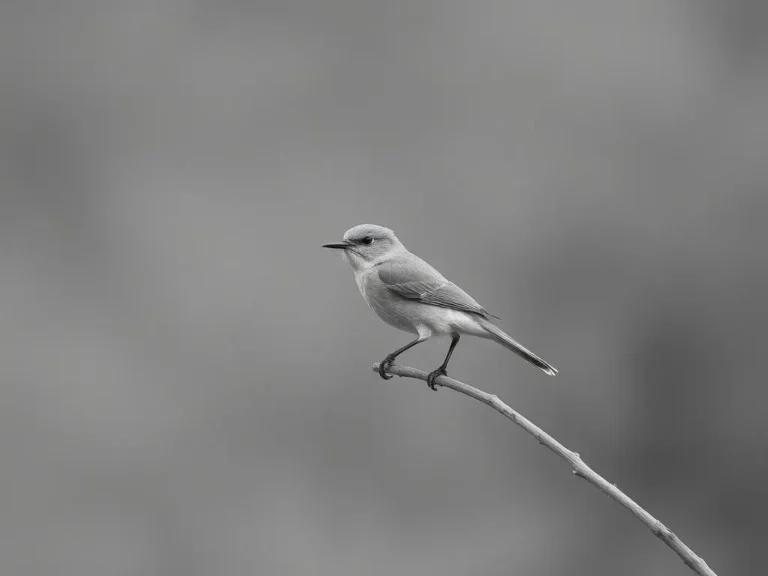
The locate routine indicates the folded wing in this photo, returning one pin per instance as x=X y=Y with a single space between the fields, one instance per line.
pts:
x=414 y=279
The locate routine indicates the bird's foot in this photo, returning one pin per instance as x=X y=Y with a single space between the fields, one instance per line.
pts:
x=384 y=365
x=433 y=375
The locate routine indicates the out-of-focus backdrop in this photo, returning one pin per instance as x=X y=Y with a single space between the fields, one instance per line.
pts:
x=185 y=383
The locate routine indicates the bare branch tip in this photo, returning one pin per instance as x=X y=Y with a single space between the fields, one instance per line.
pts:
x=580 y=469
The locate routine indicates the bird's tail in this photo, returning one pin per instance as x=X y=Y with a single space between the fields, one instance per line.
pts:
x=505 y=340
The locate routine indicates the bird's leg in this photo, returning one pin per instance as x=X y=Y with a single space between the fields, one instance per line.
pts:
x=387 y=362
x=441 y=371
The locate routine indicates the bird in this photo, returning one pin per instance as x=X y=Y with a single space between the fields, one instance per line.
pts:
x=409 y=294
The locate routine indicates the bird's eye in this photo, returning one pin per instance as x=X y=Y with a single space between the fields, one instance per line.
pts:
x=367 y=240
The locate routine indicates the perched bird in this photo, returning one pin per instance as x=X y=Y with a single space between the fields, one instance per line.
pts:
x=411 y=295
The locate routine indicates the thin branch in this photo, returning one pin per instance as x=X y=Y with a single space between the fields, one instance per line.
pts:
x=688 y=556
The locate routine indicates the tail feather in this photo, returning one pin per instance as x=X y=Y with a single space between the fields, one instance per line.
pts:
x=505 y=340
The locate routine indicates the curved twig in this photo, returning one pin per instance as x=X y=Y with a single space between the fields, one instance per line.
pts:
x=688 y=556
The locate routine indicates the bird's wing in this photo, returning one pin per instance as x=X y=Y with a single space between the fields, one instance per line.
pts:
x=417 y=280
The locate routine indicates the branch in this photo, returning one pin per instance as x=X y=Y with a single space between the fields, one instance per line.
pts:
x=688 y=556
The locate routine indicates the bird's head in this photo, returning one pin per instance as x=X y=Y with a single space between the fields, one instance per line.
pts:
x=367 y=244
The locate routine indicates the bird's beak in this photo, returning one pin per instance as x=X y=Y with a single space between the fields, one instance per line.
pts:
x=338 y=245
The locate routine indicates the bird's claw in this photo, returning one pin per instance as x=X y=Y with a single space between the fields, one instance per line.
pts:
x=433 y=375
x=383 y=366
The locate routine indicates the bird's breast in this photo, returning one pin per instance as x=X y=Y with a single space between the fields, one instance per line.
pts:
x=387 y=305
x=362 y=280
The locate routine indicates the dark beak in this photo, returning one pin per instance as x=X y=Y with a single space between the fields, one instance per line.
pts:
x=338 y=245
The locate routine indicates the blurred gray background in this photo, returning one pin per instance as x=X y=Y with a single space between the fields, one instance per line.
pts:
x=185 y=374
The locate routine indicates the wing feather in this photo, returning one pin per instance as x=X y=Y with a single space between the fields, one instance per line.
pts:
x=414 y=279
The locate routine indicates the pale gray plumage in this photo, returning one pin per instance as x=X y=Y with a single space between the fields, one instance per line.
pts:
x=411 y=295
x=420 y=281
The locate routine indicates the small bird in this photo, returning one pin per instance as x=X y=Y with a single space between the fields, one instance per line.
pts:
x=411 y=295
